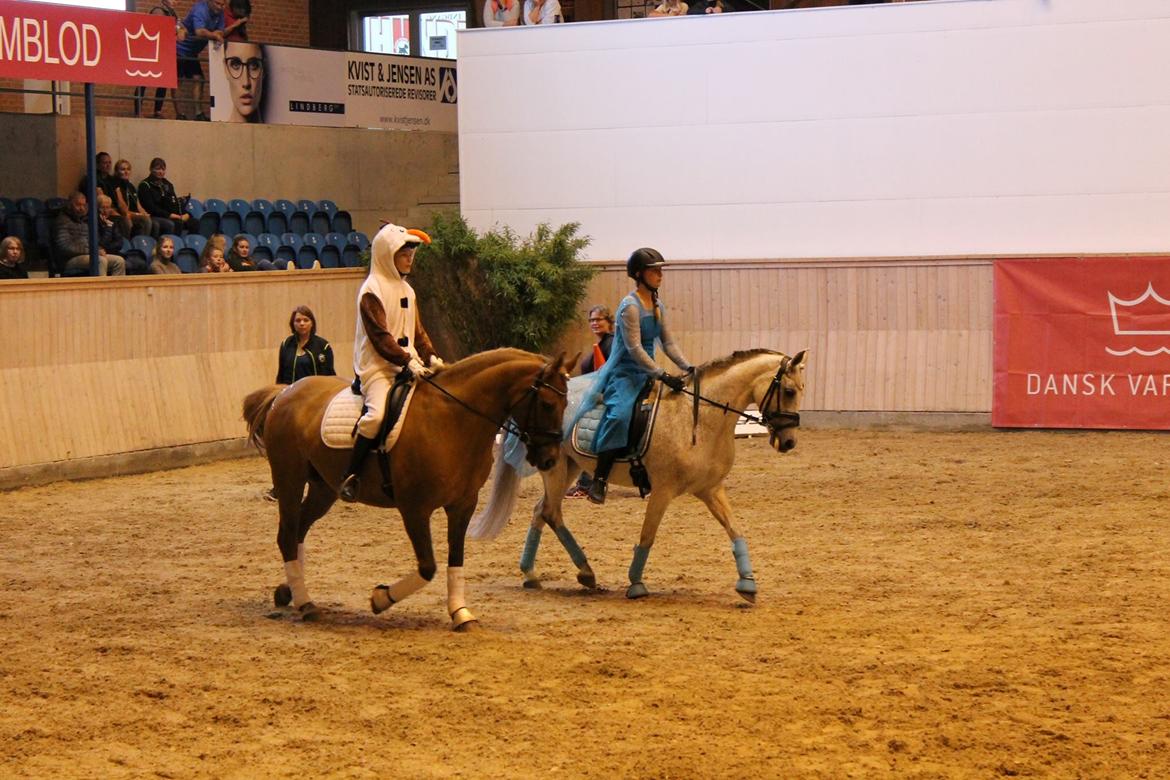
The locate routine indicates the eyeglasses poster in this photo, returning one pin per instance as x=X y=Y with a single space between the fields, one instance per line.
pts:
x=259 y=83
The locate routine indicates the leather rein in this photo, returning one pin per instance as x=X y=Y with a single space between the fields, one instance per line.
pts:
x=774 y=421
x=539 y=437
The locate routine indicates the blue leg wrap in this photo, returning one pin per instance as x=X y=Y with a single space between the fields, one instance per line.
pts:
x=531 y=543
x=571 y=547
x=743 y=564
x=639 y=563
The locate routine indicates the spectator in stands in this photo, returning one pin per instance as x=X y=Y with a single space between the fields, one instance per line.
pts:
x=133 y=219
x=158 y=198
x=501 y=13
x=203 y=23
x=105 y=175
x=243 y=64
x=601 y=323
x=212 y=260
x=12 y=259
x=235 y=20
x=110 y=240
x=670 y=8
x=240 y=257
x=304 y=353
x=166 y=9
x=163 y=259
x=542 y=12
x=71 y=240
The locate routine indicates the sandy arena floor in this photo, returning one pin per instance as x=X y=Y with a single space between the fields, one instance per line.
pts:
x=931 y=605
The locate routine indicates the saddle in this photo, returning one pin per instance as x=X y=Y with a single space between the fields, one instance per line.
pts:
x=641 y=425
x=339 y=425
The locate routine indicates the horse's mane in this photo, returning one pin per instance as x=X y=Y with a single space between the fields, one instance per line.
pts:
x=717 y=365
x=482 y=360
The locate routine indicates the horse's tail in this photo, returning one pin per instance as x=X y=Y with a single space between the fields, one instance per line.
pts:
x=489 y=521
x=256 y=406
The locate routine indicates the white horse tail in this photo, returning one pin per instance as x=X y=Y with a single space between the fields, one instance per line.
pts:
x=489 y=521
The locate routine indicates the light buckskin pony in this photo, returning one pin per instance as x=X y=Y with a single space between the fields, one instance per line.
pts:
x=442 y=458
x=771 y=380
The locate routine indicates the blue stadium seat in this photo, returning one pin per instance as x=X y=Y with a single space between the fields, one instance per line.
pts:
x=7 y=204
x=256 y=221
x=299 y=223
x=319 y=223
x=230 y=224
x=330 y=252
x=31 y=207
x=53 y=206
x=328 y=206
x=196 y=242
x=342 y=222
x=307 y=206
x=141 y=247
x=195 y=208
x=213 y=209
x=266 y=246
x=240 y=206
x=277 y=222
x=358 y=239
x=287 y=251
x=187 y=258
x=310 y=251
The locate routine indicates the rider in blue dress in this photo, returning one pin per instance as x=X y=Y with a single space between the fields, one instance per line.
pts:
x=641 y=319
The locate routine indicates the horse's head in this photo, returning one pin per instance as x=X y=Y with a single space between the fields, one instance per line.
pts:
x=539 y=411
x=778 y=397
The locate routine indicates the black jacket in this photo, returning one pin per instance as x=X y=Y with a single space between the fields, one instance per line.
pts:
x=158 y=198
x=322 y=360
x=606 y=344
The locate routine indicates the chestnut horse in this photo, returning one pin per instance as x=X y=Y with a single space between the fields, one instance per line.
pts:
x=442 y=457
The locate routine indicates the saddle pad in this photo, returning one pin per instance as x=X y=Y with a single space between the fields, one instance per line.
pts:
x=586 y=429
x=342 y=415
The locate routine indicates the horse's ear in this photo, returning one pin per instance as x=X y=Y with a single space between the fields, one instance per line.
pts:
x=798 y=360
x=571 y=364
x=555 y=364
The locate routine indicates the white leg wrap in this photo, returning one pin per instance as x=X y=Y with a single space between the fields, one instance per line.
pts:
x=411 y=583
x=295 y=575
x=455 y=598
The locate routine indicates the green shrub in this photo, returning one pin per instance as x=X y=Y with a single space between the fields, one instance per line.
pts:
x=499 y=290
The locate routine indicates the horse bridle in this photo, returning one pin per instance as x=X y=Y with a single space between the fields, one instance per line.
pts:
x=532 y=395
x=775 y=421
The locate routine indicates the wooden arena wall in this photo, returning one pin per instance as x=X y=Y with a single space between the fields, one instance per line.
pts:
x=109 y=368
x=98 y=367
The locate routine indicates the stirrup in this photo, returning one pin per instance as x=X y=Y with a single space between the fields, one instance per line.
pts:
x=596 y=492
x=348 y=492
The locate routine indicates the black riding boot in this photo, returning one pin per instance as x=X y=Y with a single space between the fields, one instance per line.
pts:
x=605 y=461
x=350 y=485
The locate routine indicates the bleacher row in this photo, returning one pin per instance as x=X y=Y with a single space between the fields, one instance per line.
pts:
x=304 y=232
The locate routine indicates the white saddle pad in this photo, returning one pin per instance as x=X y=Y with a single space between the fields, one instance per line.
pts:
x=342 y=415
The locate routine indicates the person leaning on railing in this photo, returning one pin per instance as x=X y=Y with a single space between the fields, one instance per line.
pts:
x=203 y=23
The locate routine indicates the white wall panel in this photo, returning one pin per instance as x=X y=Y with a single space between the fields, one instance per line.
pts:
x=916 y=129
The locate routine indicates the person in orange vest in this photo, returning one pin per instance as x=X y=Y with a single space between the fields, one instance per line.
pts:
x=601 y=323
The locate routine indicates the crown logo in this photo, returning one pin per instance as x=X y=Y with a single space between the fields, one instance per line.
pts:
x=142 y=47
x=1146 y=315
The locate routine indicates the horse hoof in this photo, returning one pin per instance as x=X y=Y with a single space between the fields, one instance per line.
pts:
x=310 y=613
x=463 y=620
x=637 y=591
x=532 y=585
x=587 y=579
x=748 y=596
x=380 y=600
x=746 y=587
x=282 y=596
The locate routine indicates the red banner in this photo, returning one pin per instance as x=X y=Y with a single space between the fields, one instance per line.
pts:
x=63 y=43
x=1082 y=343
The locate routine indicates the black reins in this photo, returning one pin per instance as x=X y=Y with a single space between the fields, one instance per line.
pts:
x=775 y=422
x=547 y=436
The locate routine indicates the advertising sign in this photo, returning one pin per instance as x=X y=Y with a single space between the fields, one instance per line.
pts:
x=64 y=43
x=1082 y=343
x=251 y=82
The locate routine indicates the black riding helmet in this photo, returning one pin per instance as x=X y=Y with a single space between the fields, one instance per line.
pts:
x=641 y=259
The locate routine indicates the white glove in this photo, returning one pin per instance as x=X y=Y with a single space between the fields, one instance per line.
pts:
x=417 y=368
x=436 y=361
